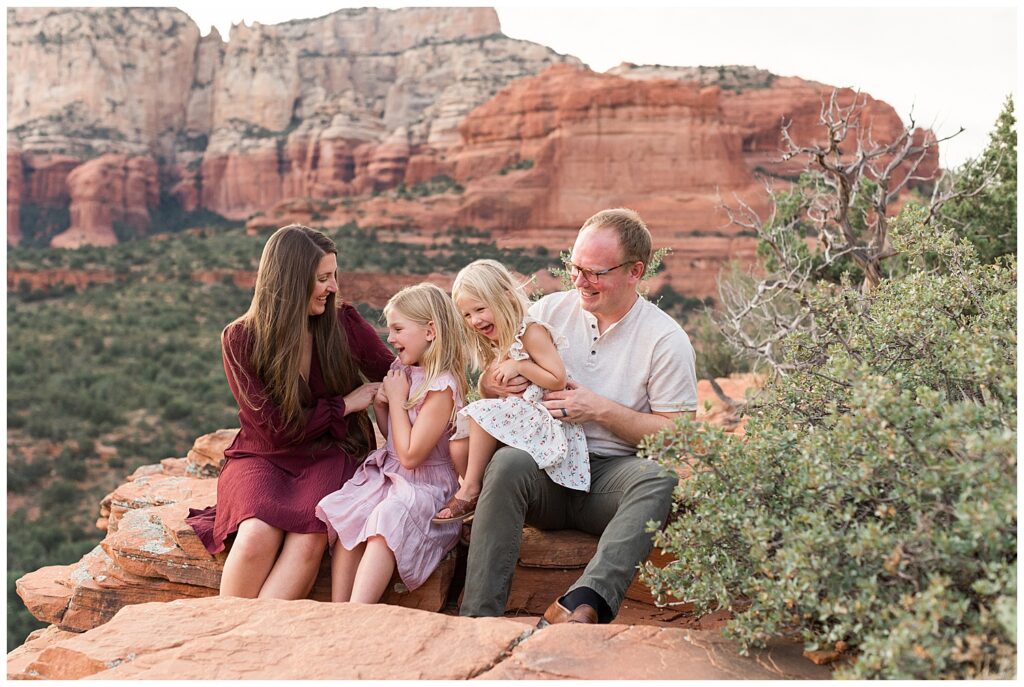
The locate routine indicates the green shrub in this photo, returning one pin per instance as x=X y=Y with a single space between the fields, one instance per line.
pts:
x=873 y=500
x=989 y=218
x=517 y=165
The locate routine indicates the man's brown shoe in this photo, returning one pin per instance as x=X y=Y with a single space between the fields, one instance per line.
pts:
x=557 y=613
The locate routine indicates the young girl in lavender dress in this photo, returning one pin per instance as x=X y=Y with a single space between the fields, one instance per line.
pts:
x=381 y=518
x=501 y=332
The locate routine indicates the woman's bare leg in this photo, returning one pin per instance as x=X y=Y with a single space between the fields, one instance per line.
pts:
x=294 y=573
x=375 y=570
x=344 y=564
x=250 y=559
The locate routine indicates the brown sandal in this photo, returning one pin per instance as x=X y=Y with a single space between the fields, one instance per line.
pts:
x=461 y=511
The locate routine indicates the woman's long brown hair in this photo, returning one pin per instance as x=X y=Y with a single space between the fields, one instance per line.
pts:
x=276 y=321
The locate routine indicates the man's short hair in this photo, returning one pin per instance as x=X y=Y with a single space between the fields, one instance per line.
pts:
x=634 y=237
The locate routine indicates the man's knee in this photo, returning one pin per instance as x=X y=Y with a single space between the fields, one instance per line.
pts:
x=509 y=466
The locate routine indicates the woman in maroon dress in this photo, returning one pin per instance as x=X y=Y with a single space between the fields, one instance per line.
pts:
x=293 y=362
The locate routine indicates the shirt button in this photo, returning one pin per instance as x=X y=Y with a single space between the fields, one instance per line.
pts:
x=593 y=353
x=593 y=326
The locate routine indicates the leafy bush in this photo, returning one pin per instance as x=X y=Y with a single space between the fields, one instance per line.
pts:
x=873 y=500
x=989 y=218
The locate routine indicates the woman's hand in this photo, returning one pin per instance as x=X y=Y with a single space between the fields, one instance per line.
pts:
x=506 y=370
x=360 y=397
x=396 y=387
x=380 y=397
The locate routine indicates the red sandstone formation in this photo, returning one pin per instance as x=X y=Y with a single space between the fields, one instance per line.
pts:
x=229 y=638
x=15 y=186
x=308 y=120
x=107 y=190
x=37 y=280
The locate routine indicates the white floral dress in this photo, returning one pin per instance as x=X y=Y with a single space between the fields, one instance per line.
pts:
x=560 y=448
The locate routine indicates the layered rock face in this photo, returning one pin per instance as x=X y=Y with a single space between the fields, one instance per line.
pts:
x=96 y=77
x=294 y=109
x=312 y=120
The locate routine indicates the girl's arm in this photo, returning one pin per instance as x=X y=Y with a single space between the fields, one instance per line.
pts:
x=380 y=411
x=545 y=367
x=413 y=443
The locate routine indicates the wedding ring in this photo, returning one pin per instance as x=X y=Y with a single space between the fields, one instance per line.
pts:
x=565 y=413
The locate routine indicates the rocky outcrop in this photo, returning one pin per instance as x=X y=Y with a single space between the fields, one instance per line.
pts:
x=98 y=77
x=756 y=102
x=109 y=194
x=15 y=186
x=333 y=120
x=149 y=552
x=280 y=111
x=39 y=280
x=230 y=639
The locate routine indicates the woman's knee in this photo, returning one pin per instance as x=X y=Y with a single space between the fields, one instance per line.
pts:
x=256 y=540
x=310 y=545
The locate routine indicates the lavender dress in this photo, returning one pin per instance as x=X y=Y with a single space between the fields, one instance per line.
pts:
x=383 y=498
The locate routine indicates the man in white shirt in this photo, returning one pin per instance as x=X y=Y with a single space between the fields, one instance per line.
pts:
x=631 y=368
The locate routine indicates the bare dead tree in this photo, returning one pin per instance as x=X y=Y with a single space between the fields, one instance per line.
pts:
x=891 y=166
x=843 y=213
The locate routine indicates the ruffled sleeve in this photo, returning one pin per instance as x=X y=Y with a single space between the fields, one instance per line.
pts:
x=440 y=383
x=518 y=352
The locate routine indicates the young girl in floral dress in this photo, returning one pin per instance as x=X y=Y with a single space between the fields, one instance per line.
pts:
x=494 y=310
x=380 y=519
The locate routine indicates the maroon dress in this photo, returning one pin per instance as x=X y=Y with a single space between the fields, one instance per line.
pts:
x=278 y=476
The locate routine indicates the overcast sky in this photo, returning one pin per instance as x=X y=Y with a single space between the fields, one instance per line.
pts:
x=953 y=65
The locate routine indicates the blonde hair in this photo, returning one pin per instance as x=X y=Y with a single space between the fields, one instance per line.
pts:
x=633 y=234
x=271 y=333
x=425 y=304
x=489 y=282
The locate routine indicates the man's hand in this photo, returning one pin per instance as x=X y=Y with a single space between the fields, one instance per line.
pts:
x=490 y=387
x=574 y=403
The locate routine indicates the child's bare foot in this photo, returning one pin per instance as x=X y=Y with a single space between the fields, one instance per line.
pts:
x=460 y=507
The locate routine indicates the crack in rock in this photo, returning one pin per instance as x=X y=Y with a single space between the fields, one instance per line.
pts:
x=505 y=653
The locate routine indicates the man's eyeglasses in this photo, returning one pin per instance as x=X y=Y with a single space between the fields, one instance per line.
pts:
x=593 y=276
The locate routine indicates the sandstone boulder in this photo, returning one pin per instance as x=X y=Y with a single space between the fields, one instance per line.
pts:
x=228 y=638
x=206 y=457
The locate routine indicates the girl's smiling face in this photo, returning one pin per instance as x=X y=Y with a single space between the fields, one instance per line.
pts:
x=409 y=339
x=478 y=316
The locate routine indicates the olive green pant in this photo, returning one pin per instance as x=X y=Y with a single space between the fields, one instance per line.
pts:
x=626 y=493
